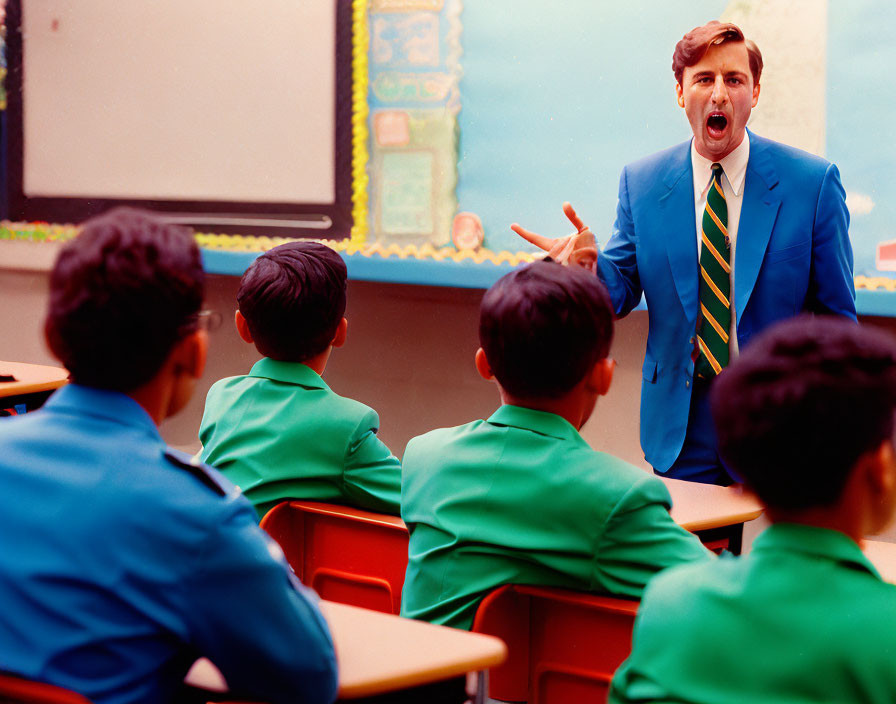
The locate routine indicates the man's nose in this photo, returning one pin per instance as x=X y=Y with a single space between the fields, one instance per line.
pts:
x=719 y=91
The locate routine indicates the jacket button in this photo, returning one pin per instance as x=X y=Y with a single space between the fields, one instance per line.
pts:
x=687 y=383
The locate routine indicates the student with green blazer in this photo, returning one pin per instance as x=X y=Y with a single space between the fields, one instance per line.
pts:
x=805 y=416
x=279 y=432
x=521 y=497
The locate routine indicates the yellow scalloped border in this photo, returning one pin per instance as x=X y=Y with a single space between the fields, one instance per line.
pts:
x=47 y=232
x=360 y=110
x=873 y=283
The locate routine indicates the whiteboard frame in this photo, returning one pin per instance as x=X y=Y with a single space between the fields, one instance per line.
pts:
x=272 y=219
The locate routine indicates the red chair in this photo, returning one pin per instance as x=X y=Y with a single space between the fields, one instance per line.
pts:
x=18 y=690
x=345 y=554
x=563 y=646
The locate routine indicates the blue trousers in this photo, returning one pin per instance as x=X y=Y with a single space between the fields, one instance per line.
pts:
x=699 y=459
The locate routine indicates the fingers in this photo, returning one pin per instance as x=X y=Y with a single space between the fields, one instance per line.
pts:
x=585 y=257
x=570 y=213
x=562 y=249
x=539 y=241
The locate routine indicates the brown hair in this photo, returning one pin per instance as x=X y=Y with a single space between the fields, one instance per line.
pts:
x=122 y=294
x=694 y=44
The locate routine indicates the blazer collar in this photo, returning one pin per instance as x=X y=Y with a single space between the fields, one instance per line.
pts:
x=757 y=218
x=676 y=206
x=817 y=542
x=107 y=405
x=541 y=422
x=288 y=373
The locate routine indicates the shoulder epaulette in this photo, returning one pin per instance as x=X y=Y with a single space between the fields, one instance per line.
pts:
x=206 y=474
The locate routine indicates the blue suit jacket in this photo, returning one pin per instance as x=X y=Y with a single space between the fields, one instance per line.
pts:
x=793 y=254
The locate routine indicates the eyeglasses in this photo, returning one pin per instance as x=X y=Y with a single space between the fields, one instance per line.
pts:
x=208 y=320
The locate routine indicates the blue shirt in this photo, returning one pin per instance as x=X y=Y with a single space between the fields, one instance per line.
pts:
x=121 y=564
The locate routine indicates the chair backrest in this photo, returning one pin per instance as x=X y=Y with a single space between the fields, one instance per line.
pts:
x=345 y=554
x=563 y=646
x=18 y=690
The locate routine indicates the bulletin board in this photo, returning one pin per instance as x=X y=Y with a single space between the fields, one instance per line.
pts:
x=469 y=116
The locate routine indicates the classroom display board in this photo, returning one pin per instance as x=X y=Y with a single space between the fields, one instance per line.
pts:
x=464 y=116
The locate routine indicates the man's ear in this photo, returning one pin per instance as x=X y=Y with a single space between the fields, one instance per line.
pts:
x=755 y=95
x=679 y=93
x=482 y=365
x=341 y=332
x=242 y=327
x=601 y=376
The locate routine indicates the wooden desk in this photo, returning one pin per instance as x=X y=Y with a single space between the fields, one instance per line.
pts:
x=380 y=653
x=33 y=384
x=715 y=513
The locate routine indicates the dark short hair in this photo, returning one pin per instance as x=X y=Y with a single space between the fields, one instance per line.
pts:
x=293 y=298
x=693 y=46
x=802 y=404
x=543 y=327
x=122 y=294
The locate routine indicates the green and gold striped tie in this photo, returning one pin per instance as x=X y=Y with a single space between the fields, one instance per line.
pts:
x=714 y=321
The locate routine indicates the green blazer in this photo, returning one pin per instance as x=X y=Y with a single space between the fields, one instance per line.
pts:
x=804 y=617
x=280 y=433
x=521 y=498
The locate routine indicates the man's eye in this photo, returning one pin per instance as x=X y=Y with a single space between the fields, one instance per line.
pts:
x=734 y=81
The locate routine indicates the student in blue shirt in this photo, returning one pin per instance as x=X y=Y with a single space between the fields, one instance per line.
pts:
x=122 y=561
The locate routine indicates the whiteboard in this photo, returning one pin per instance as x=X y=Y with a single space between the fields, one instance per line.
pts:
x=195 y=100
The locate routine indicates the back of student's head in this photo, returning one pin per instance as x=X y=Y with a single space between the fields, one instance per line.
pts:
x=293 y=299
x=802 y=404
x=122 y=294
x=543 y=327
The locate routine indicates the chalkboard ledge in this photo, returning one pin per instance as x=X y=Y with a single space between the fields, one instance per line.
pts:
x=33 y=247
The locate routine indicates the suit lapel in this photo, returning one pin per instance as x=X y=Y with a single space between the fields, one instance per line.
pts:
x=757 y=218
x=677 y=206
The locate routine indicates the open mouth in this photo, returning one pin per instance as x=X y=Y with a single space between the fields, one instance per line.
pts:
x=716 y=124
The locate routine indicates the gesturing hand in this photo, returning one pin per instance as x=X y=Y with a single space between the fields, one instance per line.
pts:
x=579 y=249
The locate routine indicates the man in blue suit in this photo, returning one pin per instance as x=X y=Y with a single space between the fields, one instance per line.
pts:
x=770 y=227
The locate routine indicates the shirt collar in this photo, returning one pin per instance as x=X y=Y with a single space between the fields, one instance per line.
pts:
x=101 y=403
x=734 y=165
x=811 y=540
x=540 y=422
x=288 y=372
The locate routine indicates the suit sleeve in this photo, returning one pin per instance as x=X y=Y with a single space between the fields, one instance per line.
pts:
x=617 y=264
x=641 y=539
x=254 y=620
x=372 y=473
x=831 y=286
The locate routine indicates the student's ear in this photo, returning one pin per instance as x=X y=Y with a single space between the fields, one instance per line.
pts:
x=601 y=376
x=881 y=476
x=191 y=354
x=242 y=327
x=883 y=469
x=341 y=332
x=755 y=95
x=679 y=93
x=184 y=368
x=482 y=365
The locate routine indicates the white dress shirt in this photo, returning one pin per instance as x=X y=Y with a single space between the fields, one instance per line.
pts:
x=735 y=173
